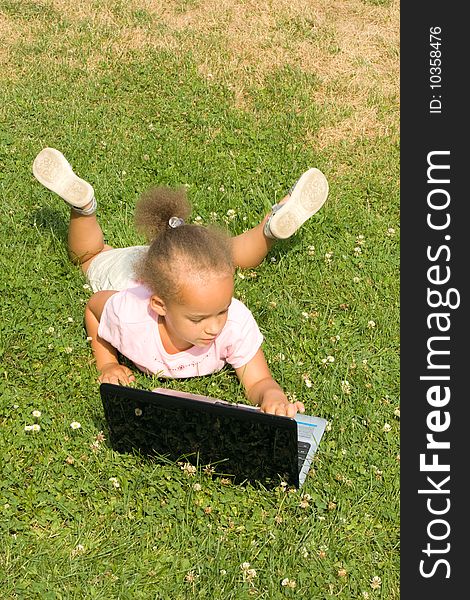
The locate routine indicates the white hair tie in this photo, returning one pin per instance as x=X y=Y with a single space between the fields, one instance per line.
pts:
x=175 y=222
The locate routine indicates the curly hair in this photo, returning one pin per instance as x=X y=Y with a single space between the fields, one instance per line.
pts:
x=179 y=253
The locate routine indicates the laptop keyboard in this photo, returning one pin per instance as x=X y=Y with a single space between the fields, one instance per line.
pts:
x=303 y=448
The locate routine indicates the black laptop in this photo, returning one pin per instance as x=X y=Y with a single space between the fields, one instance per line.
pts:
x=237 y=440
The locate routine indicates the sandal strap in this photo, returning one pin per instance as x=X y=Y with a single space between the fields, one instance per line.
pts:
x=86 y=211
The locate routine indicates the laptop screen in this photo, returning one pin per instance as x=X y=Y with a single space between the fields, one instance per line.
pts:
x=242 y=443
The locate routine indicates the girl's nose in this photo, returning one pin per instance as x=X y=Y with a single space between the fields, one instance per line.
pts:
x=213 y=326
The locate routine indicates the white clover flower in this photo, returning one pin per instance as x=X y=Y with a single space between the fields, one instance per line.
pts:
x=357 y=250
x=306 y=378
x=115 y=482
x=50 y=330
x=223 y=572
x=86 y=286
x=305 y=315
x=241 y=276
x=375 y=582
x=245 y=566
x=250 y=573
x=28 y=427
x=330 y=359
x=346 y=387
x=371 y=324
x=79 y=549
x=286 y=582
x=387 y=427
x=75 y=425
x=70 y=319
x=89 y=338
x=197 y=487
x=396 y=412
x=68 y=350
x=390 y=231
x=35 y=427
x=36 y=413
x=311 y=250
x=189 y=469
x=190 y=577
x=356 y=279
x=138 y=412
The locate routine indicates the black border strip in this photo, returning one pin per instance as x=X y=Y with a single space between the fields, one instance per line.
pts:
x=434 y=251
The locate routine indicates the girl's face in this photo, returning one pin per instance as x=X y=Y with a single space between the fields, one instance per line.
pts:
x=199 y=315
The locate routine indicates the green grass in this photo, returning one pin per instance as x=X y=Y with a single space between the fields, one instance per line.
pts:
x=125 y=125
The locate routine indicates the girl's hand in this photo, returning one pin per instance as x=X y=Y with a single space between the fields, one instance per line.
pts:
x=261 y=389
x=276 y=404
x=116 y=373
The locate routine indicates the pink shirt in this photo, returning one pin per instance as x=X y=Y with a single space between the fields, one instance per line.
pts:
x=131 y=326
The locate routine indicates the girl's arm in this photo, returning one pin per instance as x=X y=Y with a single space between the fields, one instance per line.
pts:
x=261 y=389
x=105 y=355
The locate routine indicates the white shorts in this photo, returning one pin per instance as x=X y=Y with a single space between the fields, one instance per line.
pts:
x=114 y=269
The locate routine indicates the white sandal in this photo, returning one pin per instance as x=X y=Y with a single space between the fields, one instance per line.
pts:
x=307 y=197
x=51 y=168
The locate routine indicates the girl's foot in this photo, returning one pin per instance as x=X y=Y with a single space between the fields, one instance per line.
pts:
x=306 y=198
x=51 y=168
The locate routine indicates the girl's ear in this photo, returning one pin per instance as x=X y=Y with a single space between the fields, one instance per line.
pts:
x=157 y=305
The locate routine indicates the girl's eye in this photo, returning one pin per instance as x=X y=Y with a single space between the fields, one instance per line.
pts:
x=195 y=320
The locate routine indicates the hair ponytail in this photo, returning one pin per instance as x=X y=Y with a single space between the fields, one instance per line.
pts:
x=178 y=250
x=157 y=206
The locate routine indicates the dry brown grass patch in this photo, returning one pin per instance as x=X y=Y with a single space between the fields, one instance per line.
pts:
x=350 y=46
x=11 y=34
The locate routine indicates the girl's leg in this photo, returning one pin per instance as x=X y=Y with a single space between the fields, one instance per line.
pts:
x=85 y=238
x=250 y=248
x=305 y=199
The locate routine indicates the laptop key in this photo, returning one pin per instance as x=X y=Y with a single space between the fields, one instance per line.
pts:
x=302 y=449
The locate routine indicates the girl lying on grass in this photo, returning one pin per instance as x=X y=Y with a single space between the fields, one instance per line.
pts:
x=169 y=306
